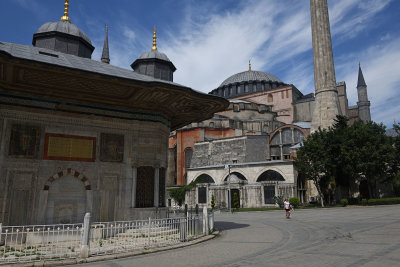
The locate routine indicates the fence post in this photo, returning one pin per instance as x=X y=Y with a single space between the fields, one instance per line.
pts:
x=85 y=237
x=148 y=233
x=205 y=221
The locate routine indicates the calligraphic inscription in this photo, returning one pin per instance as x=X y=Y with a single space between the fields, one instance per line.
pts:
x=24 y=141
x=69 y=147
x=112 y=148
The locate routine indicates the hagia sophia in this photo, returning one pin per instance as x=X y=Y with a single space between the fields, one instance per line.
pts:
x=81 y=135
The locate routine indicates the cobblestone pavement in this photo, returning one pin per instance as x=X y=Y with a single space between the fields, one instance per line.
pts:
x=351 y=236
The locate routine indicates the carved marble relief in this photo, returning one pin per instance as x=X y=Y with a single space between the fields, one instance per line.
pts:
x=112 y=148
x=24 y=141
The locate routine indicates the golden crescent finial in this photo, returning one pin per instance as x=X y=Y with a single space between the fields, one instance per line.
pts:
x=65 y=17
x=249 y=65
x=154 y=39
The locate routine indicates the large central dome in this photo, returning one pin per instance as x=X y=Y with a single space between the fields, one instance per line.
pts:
x=247 y=82
x=247 y=76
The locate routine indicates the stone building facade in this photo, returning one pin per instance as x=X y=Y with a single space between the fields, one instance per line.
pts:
x=79 y=135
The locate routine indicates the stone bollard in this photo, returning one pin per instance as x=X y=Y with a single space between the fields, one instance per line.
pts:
x=211 y=223
x=85 y=237
x=205 y=221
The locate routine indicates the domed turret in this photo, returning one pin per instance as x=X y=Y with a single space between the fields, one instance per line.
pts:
x=154 y=63
x=63 y=36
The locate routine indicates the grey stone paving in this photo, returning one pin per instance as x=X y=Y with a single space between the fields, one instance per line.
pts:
x=353 y=236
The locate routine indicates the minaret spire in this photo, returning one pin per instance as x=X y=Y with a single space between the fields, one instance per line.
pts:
x=363 y=103
x=105 y=57
x=154 y=39
x=361 y=81
x=326 y=95
x=65 y=17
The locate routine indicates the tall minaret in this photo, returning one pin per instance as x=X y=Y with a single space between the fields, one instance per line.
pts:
x=363 y=104
x=105 y=56
x=326 y=94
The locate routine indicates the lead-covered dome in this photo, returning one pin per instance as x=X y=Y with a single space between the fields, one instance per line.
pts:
x=64 y=27
x=65 y=37
x=247 y=76
x=247 y=82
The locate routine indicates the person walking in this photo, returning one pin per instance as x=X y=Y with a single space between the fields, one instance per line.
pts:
x=286 y=206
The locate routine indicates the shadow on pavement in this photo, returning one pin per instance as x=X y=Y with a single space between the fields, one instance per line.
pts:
x=229 y=225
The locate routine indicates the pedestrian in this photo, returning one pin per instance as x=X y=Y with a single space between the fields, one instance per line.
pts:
x=286 y=206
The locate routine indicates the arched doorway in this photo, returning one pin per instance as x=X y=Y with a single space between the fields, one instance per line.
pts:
x=270 y=178
x=236 y=179
x=66 y=202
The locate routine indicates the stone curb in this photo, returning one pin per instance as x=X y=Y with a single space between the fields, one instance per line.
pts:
x=116 y=256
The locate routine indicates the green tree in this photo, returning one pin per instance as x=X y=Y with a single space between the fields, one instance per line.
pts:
x=370 y=154
x=311 y=161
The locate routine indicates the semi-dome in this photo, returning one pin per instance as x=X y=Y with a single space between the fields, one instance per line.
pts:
x=64 y=27
x=247 y=76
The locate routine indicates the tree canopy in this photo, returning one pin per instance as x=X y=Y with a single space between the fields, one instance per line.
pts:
x=345 y=155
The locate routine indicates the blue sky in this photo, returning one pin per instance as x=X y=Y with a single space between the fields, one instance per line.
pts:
x=210 y=40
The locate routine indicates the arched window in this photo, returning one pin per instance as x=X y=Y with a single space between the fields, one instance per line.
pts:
x=270 y=98
x=188 y=156
x=270 y=175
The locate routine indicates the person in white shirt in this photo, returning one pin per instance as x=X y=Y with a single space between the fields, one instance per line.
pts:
x=286 y=206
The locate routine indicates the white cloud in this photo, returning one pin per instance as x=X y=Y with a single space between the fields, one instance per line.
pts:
x=209 y=45
x=381 y=69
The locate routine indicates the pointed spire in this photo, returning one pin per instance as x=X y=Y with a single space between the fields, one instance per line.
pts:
x=249 y=65
x=361 y=81
x=65 y=17
x=105 y=57
x=154 y=39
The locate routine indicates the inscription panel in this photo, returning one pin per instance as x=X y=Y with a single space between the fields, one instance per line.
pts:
x=69 y=147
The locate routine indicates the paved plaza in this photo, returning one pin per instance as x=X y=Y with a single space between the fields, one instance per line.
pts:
x=351 y=236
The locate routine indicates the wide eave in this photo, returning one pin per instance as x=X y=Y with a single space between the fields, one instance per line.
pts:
x=37 y=72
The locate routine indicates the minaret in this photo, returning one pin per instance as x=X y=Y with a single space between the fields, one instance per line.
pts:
x=326 y=95
x=363 y=104
x=105 y=56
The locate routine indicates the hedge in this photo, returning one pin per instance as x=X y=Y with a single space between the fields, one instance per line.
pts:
x=384 y=201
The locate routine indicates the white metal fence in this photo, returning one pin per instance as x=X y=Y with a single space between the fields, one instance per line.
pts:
x=19 y=244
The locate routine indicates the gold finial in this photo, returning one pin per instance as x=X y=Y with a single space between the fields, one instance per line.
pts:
x=65 y=17
x=249 y=65
x=154 y=39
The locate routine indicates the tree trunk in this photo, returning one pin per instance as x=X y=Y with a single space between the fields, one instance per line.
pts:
x=321 y=196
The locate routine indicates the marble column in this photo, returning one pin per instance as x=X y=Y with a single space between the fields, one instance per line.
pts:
x=326 y=95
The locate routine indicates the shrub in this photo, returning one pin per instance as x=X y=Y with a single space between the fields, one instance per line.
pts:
x=294 y=202
x=364 y=201
x=212 y=201
x=344 y=202
x=279 y=200
x=353 y=201
x=236 y=202
x=384 y=201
